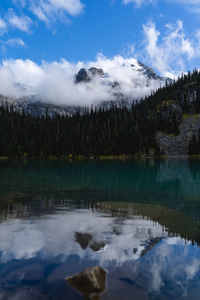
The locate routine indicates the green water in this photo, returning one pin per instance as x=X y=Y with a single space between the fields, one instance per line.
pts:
x=145 y=213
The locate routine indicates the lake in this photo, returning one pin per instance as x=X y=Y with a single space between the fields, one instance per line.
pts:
x=137 y=219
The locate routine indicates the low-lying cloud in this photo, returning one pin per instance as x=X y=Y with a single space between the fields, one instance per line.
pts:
x=54 y=82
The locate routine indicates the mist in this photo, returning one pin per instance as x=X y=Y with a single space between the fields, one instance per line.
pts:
x=54 y=82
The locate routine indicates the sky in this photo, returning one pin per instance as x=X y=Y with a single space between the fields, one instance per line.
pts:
x=163 y=34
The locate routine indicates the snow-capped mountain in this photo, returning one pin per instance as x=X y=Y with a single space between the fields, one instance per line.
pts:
x=87 y=75
x=33 y=106
x=134 y=77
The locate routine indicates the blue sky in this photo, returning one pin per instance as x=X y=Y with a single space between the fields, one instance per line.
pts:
x=165 y=34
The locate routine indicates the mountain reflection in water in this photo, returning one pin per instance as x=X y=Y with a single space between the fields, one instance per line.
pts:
x=51 y=228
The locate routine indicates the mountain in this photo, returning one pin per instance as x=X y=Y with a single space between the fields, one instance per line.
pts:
x=85 y=75
x=166 y=122
x=35 y=105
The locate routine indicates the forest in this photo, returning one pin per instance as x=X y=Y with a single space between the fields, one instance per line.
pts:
x=117 y=130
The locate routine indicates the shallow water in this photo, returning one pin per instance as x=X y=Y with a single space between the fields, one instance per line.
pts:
x=138 y=219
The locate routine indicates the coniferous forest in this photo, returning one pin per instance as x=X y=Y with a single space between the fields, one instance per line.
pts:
x=98 y=131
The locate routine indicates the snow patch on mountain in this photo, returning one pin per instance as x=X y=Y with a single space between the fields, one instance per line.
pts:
x=61 y=87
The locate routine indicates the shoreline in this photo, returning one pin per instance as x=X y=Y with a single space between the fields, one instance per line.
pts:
x=95 y=157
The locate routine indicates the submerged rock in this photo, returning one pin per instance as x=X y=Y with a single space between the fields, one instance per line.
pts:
x=89 y=282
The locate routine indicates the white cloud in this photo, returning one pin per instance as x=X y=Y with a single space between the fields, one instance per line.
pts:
x=193 y=2
x=139 y=3
x=20 y=3
x=191 y=5
x=47 y=11
x=21 y=23
x=169 y=52
x=3 y=26
x=15 y=42
x=53 y=10
x=54 y=82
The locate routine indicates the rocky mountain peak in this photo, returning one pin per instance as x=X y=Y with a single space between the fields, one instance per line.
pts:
x=86 y=75
x=82 y=76
x=96 y=71
x=149 y=72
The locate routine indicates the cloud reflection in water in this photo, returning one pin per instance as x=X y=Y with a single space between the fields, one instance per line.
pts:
x=134 y=245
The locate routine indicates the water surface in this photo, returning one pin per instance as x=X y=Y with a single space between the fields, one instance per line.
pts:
x=138 y=219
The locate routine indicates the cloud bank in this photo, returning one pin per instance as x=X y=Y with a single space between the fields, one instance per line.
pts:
x=54 y=82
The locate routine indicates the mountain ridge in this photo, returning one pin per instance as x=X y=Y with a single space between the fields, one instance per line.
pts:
x=34 y=104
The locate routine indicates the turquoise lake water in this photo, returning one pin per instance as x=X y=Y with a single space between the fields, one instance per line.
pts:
x=137 y=219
